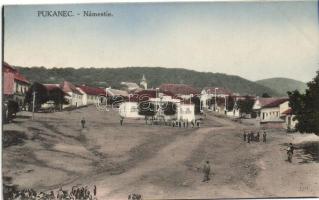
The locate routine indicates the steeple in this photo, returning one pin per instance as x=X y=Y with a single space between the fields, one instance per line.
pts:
x=143 y=82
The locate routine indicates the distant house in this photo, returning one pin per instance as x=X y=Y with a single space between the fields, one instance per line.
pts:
x=159 y=99
x=75 y=97
x=179 y=90
x=90 y=95
x=130 y=87
x=15 y=85
x=208 y=95
x=56 y=95
x=274 y=112
x=116 y=93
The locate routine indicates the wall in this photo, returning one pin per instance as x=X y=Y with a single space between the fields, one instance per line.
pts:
x=186 y=112
x=129 y=110
x=270 y=114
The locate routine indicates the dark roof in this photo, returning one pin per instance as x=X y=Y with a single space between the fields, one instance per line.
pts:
x=51 y=87
x=92 y=90
x=275 y=102
x=178 y=89
x=287 y=112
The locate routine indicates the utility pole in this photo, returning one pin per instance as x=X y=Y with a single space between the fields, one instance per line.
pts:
x=215 y=99
x=33 y=104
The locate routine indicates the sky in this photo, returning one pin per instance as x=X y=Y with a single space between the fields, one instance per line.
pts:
x=255 y=40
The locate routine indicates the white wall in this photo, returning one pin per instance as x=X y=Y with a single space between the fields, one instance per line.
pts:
x=186 y=112
x=75 y=99
x=129 y=110
x=270 y=114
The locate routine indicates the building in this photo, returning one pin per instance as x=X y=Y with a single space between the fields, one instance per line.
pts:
x=160 y=100
x=290 y=123
x=208 y=95
x=15 y=85
x=274 y=113
x=91 y=95
x=130 y=87
x=56 y=96
x=75 y=97
x=179 y=90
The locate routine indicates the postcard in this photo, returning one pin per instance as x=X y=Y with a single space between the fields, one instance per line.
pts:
x=160 y=100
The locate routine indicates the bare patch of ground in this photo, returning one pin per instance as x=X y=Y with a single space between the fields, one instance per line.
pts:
x=155 y=161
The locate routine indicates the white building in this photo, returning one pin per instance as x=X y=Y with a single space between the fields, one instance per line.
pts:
x=208 y=95
x=183 y=111
x=275 y=112
x=90 y=95
x=75 y=97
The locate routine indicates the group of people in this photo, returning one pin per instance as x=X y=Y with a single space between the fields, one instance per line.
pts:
x=254 y=137
x=77 y=193
x=186 y=124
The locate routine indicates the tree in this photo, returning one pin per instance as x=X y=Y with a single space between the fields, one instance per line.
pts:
x=246 y=105
x=146 y=108
x=41 y=95
x=305 y=107
x=196 y=101
x=58 y=97
x=169 y=108
x=265 y=95
x=230 y=103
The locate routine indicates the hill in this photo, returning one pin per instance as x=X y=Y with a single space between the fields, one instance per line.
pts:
x=155 y=76
x=282 y=85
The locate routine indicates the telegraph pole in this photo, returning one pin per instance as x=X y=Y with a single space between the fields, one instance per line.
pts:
x=33 y=104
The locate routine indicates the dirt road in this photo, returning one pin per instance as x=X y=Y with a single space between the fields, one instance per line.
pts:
x=155 y=161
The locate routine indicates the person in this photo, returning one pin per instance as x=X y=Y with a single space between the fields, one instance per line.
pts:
x=83 y=122
x=121 y=120
x=60 y=194
x=290 y=152
x=264 y=136
x=193 y=124
x=94 y=190
x=258 y=136
x=248 y=137
x=206 y=170
x=245 y=136
x=252 y=136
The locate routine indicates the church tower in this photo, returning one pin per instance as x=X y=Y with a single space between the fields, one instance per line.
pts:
x=143 y=82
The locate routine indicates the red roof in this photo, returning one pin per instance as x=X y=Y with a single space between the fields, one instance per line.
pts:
x=51 y=86
x=8 y=83
x=69 y=87
x=151 y=93
x=287 y=112
x=275 y=102
x=179 y=89
x=219 y=90
x=17 y=76
x=92 y=90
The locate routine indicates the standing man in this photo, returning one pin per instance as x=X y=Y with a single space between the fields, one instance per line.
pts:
x=245 y=136
x=94 y=190
x=206 y=170
x=264 y=136
x=258 y=136
x=121 y=120
x=290 y=152
x=83 y=122
x=248 y=137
